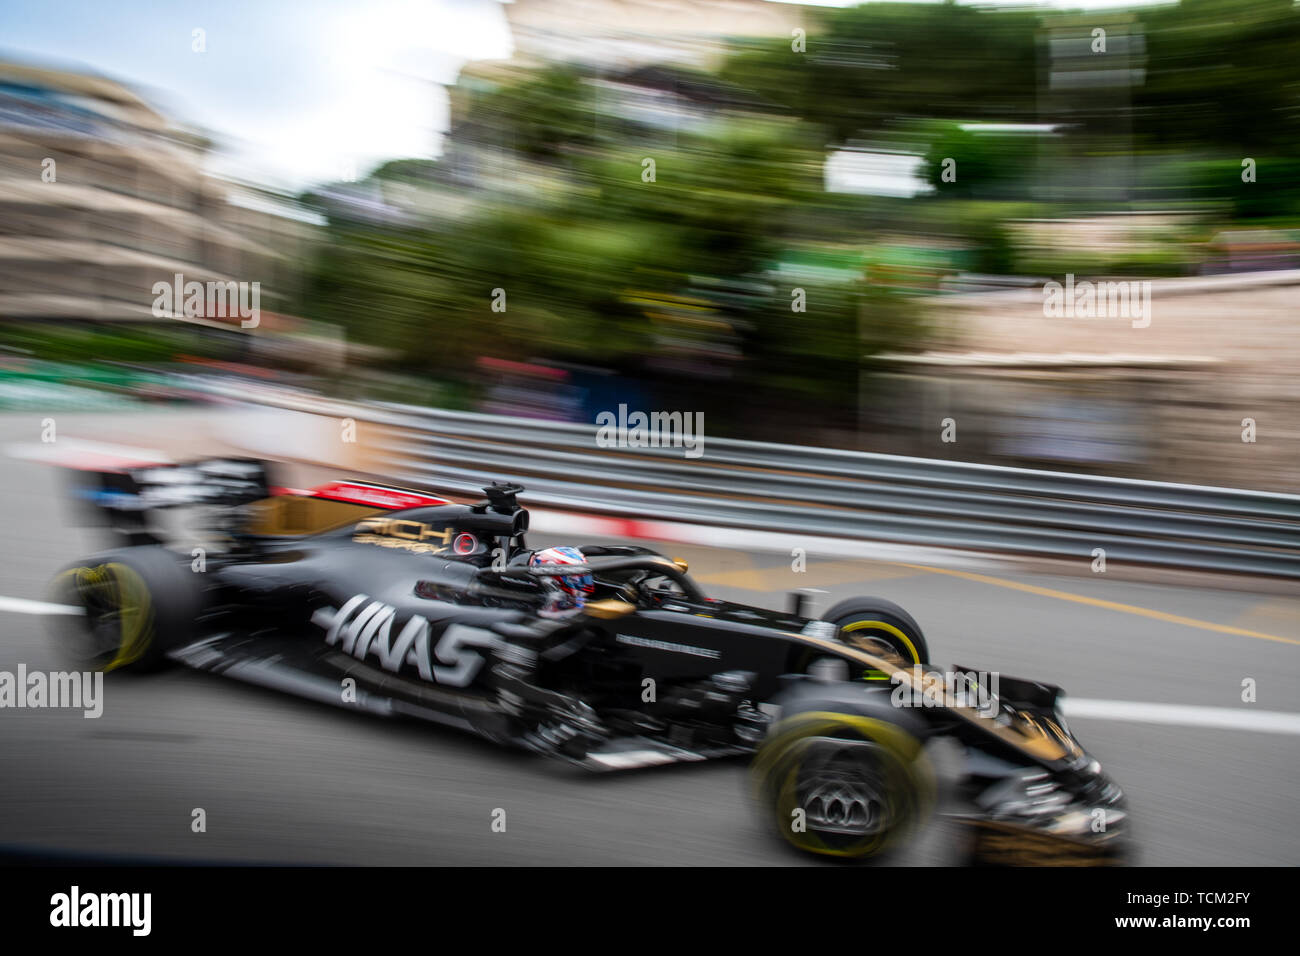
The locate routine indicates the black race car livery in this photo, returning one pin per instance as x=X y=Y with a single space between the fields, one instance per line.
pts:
x=401 y=603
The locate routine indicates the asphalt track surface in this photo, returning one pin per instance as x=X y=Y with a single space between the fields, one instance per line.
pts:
x=284 y=780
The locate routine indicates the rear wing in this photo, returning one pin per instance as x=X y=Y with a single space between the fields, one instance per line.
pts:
x=125 y=499
x=127 y=491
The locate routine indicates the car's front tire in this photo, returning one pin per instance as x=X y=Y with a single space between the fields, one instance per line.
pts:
x=842 y=785
x=875 y=624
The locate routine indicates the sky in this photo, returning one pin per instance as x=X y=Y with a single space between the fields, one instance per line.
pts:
x=292 y=92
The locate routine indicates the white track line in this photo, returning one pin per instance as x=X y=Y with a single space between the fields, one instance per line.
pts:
x=1184 y=715
x=24 y=606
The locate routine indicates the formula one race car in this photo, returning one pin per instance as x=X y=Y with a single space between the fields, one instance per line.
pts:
x=399 y=603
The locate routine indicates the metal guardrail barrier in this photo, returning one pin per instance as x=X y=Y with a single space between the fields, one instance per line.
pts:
x=796 y=489
x=857 y=495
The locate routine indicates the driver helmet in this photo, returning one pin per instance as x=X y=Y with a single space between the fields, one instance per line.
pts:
x=565 y=593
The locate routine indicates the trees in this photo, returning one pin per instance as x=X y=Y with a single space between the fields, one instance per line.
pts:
x=1216 y=73
x=633 y=221
x=655 y=275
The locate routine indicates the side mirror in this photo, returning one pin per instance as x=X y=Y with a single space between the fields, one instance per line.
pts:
x=608 y=609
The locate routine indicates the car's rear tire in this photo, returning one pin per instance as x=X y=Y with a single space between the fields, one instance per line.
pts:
x=843 y=785
x=137 y=604
x=874 y=623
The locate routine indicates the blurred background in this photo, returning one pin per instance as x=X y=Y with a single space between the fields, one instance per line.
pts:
x=816 y=226
x=736 y=207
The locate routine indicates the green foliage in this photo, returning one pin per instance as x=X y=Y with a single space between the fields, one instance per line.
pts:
x=579 y=264
x=1222 y=73
x=541 y=116
x=1274 y=191
x=867 y=67
x=1219 y=73
x=585 y=256
x=77 y=342
x=985 y=165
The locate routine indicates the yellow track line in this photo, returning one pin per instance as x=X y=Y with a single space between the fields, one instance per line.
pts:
x=1109 y=605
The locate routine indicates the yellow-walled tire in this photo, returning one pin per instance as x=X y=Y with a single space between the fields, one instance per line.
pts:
x=136 y=604
x=843 y=785
x=880 y=627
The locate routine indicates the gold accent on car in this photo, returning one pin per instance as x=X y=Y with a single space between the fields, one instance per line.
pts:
x=609 y=609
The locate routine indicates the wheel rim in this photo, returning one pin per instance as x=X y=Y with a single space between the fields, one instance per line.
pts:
x=842 y=797
x=858 y=784
x=884 y=640
x=848 y=791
